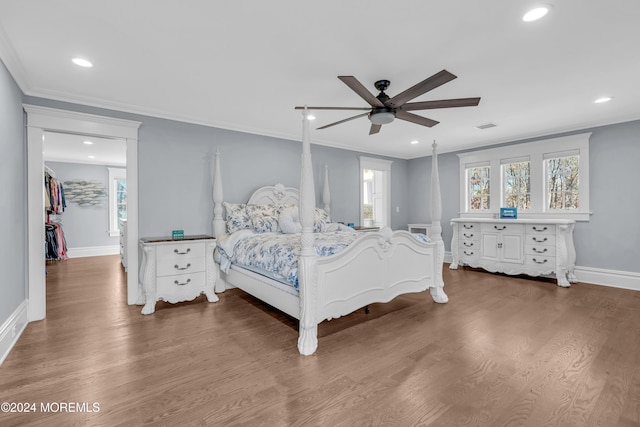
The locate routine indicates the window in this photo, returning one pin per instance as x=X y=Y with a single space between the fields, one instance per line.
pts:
x=375 y=192
x=478 y=178
x=548 y=178
x=117 y=199
x=563 y=182
x=516 y=188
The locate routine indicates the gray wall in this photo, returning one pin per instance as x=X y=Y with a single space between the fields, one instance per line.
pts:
x=13 y=197
x=611 y=238
x=175 y=170
x=85 y=226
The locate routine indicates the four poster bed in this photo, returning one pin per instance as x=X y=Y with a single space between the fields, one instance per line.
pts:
x=359 y=269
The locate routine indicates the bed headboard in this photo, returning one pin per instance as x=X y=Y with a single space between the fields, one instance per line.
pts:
x=277 y=194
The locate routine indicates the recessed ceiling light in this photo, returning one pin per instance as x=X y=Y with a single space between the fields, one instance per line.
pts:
x=311 y=117
x=603 y=99
x=415 y=141
x=92 y=157
x=536 y=13
x=87 y=142
x=82 y=62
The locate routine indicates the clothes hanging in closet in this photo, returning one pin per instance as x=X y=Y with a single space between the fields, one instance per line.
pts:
x=55 y=242
x=54 y=201
x=54 y=204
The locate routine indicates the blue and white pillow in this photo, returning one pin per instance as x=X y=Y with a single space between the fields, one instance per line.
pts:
x=237 y=217
x=264 y=218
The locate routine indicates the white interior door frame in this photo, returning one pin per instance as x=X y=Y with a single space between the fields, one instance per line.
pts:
x=40 y=120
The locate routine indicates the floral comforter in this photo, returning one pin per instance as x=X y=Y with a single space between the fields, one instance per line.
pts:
x=277 y=253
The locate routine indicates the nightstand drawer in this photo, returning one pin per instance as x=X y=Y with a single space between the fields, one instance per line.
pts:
x=175 y=251
x=179 y=266
x=181 y=287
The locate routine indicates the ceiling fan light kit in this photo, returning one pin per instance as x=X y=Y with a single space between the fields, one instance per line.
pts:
x=381 y=117
x=384 y=109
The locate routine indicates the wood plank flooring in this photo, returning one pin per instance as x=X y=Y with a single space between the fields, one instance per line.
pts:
x=505 y=351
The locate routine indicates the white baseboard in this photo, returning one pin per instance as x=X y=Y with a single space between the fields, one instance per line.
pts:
x=598 y=276
x=611 y=278
x=12 y=329
x=93 y=251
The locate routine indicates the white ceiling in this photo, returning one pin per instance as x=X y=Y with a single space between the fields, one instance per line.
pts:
x=245 y=65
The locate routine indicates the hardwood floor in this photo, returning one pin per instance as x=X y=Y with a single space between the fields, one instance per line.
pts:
x=504 y=351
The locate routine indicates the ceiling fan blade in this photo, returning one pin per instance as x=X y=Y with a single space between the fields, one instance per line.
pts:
x=413 y=118
x=333 y=108
x=374 y=129
x=424 y=86
x=443 y=103
x=358 y=88
x=342 y=121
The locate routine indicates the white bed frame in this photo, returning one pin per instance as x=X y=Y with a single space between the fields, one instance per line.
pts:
x=377 y=267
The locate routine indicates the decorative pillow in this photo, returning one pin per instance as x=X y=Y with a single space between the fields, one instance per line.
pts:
x=289 y=220
x=320 y=219
x=264 y=218
x=237 y=217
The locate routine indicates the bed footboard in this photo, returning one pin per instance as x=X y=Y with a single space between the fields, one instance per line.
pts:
x=377 y=268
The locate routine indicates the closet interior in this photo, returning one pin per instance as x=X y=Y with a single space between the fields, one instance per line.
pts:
x=54 y=205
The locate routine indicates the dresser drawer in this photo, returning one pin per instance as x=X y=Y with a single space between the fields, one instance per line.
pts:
x=541 y=261
x=541 y=229
x=539 y=249
x=469 y=226
x=469 y=256
x=178 y=265
x=541 y=239
x=177 y=251
x=469 y=244
x=467 y=235
x=507 y=228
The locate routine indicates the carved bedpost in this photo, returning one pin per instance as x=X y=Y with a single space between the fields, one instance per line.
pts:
x=326 y=192
x=308 y=339
x=435 y=232
x=218 y=221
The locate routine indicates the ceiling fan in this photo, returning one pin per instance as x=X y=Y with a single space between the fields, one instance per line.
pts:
x=384 y=109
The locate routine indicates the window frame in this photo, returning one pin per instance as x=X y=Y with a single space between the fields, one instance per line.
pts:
x=537 y=152
x=115 y=174
x=377 y=165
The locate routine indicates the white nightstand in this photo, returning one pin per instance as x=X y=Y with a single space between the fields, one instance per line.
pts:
x=176 y=270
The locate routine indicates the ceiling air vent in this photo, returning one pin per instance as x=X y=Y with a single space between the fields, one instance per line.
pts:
x=487 y=126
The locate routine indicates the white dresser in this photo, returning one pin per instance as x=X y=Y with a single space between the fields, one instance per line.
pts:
x=516 y=246
x=177 y=270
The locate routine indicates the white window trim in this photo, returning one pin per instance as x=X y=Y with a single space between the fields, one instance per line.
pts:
x=114 y=174
x=379 y=165
x=537 y=152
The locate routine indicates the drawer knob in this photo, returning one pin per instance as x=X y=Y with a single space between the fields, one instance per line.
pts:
x=540 y=251
x=182 y=253
x=467 y=244
x=175 y=282
x=501 y=228
x=468 y=253
x=468 y=236
x=540 y=240
x=182 y=268
x=539 y=229
x=468 y=227
x=539 y=262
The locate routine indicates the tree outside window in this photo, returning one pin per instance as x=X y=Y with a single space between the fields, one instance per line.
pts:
x=516 y=185
x=563 y=183
x=479 y=194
